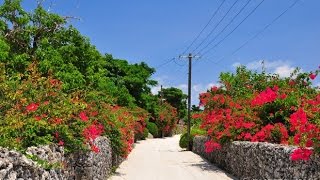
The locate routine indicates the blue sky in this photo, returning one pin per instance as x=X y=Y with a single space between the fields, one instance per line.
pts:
x=155 y=31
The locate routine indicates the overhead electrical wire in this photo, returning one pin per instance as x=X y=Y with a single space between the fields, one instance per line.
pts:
x=208 y=23
x=165 y=63
x=215 y=27
x=217 y=44
x=225 y=27
x=261 y=31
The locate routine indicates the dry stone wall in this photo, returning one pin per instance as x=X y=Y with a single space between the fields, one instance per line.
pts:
x=248 y=160
x=82 y=166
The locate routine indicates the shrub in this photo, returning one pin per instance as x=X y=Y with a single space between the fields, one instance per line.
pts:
x=197 y=132
x=167 y=119
x=153 y=129
x=184 y=140
x=35 y=111
x=263 y=108
x=145 y=134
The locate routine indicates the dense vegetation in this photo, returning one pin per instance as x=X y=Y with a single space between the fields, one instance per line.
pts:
x=56 y=87
x=261 y=107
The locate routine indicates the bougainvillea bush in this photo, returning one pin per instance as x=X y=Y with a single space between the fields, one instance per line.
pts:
x=167 y=119
x=261 y=107
x=35 y=111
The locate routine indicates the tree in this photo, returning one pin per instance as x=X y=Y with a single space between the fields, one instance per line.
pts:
x=177 y=99
x=62 y=51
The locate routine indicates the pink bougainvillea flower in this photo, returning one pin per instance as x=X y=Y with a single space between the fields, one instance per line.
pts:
x=46 y=102
x=83 y=116
x=32 y=107
x=214 y=88
x=312 y=76
x=301 y=154
x=56 y=135
x=61 y=143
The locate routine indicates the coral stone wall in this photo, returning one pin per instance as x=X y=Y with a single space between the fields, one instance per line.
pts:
x=249 y=160
x=84 y=166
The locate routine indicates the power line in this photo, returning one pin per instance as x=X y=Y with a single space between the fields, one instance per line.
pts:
x=260 y=32
x=165 y=63
x=233 y=29
x=205 y=39
x=234 y=17
x=197 y=37
x=181 y=65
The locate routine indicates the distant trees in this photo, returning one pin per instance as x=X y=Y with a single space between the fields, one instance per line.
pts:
x=177 y=99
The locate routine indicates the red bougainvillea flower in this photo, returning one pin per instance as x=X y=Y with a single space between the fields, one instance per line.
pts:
x=32 y=107
x=266 y=96
x=301 y=154
x=61 y=143
x=210 y=146
x=95 y=149
x=298 y=118
x=214 y=88
x=283 y=96
x=83 y=116
x=93 y=131
x=54 y=82
x=292 y=83
x=56 y=121
x=312 y=76
x=38 y=118
x=94 y=113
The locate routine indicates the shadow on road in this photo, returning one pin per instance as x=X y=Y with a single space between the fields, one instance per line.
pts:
x=205 y=165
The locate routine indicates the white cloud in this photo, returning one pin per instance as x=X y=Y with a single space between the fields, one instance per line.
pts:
x=284 y=71
x=236 y=64
x=283 y=68
x=200 y=88
x=155 y=90
x=161 y=81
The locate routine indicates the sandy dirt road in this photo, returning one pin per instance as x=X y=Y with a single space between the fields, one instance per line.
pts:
x=163 y=159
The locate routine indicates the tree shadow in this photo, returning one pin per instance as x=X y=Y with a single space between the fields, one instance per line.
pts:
x=205 y=165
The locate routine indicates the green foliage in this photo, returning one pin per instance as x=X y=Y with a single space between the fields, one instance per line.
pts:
x=52 y=66
x=177 y=99
x=145 y=134
x=195 y=131
x=167 y=119
x=185 y=139
x=153 y=129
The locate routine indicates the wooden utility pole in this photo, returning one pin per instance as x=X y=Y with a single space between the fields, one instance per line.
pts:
x=190 y=57
x=161 y=95
x=263 y=66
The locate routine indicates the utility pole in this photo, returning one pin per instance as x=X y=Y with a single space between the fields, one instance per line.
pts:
x=161 y=99
x=161 y=96
x=190 y=57
x=263 y=66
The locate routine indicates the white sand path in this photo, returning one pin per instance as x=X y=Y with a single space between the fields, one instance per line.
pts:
x=163 y=159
